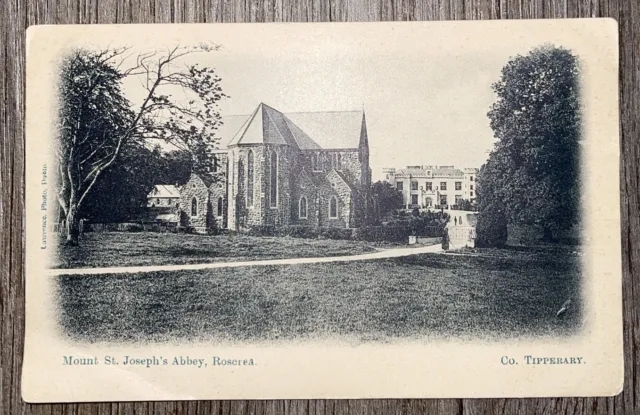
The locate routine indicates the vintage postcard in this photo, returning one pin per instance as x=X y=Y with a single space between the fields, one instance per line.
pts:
x=362 y=210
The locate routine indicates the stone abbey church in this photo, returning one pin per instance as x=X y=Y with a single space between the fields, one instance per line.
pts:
x=309 y=169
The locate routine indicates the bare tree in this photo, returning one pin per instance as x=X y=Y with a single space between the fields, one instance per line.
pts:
x=97 y=123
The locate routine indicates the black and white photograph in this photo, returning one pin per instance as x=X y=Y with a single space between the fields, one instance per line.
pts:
x=350 y=186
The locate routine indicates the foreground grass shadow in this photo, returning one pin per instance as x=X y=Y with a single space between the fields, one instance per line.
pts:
x=483 y=294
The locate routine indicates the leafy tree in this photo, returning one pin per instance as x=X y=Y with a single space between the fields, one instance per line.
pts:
x=121 y=193
x=532 y=173
x=466 y=204
x=131 y=179
x=389 y=198
x=491 y=229
x=175 y=167
x=98 y=124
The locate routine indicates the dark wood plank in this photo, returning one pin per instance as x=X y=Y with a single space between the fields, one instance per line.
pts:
x=18 y=14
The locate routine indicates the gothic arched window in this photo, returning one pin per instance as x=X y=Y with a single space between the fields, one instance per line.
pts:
x=273 y=174
x=333 y=207
x=194 y=207
x=250 y=178
x=317 y=162
x=302 y=208
x=339 y=162
x=220 y=211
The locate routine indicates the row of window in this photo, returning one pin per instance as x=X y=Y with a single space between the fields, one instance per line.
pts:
x=336 y=162
x=443 y=200
x=317 y=161
x=333 y=208
x=273 y=178
x=429 y=201
x=194 y=207
x=302 y=207
x=429 y=186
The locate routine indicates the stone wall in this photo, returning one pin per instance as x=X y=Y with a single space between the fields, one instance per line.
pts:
x=352 y=167
x=311 y=195
x=335 y=187
x=281 y=213
x=251 y=214
x=291 y=162
x=350 y=164
x=195 y=188
x=218 y=198
x=231 y=190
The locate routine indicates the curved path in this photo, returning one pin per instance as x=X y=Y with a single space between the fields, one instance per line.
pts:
x=389 y=253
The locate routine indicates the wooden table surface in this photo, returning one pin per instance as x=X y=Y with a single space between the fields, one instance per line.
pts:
x=17 y=15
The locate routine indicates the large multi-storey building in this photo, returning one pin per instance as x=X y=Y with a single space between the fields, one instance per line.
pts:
x=434 y=187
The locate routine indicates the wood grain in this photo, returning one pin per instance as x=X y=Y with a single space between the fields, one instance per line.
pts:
x=16 y=15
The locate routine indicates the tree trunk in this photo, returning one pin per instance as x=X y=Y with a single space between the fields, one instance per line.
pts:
x=72 y=226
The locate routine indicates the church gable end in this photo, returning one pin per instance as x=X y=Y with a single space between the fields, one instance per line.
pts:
x=294 y=169
x=194 y=204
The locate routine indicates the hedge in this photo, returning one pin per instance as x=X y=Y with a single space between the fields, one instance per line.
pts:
x=395 y=232
x=387 y=233
x=297 y=231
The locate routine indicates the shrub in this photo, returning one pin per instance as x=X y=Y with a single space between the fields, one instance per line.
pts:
x=160 y=227
x=130 y=227
x=262 y=230
x=396 y=231
x=213 y=227
x=298 y=231
x=389 y=233
x=336 y=233
x=524 y=234
x=429 y=224
x=213 y=231
x=491 y=230
x=187 y=229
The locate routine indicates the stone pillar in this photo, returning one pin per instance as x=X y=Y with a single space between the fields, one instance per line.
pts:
x=317 y=206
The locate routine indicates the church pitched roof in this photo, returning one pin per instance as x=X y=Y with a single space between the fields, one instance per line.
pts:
x=230 y=126
x=164 y=191
x=305 y=130
x=264 y=126
x=330 y=129
x=206 y=179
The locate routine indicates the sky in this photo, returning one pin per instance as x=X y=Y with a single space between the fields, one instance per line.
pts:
x=425 y=100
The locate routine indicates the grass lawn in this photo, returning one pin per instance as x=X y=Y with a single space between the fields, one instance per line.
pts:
x=110 y=249
x=488 y=294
